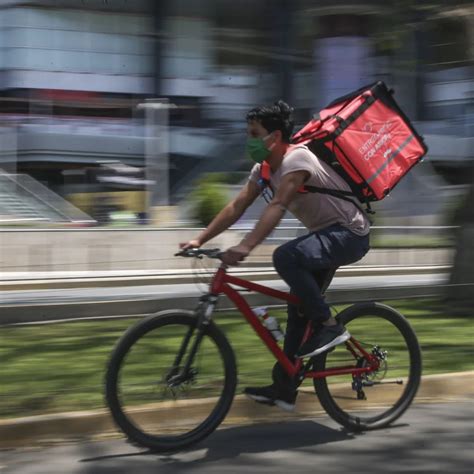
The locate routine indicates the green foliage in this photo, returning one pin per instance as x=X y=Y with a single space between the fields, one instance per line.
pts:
x=230 y=177
x=209 y=198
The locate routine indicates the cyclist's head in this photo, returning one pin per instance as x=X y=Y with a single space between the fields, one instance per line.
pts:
x=271 y=118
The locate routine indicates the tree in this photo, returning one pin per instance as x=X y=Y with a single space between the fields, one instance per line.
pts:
x=461 y=289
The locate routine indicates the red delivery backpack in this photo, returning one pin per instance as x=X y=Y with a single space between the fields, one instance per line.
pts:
x=367 y=139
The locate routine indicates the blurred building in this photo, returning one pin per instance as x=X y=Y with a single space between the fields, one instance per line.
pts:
x=73 y=72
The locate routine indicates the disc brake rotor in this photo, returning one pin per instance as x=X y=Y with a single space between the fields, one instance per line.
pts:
x=379 y=373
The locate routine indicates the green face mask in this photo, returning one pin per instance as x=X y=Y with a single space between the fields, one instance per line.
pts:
x=257 y=150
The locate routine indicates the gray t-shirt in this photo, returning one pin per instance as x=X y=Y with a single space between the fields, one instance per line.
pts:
x=316 y=210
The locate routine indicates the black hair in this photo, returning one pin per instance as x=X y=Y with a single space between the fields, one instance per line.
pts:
x=274 y=117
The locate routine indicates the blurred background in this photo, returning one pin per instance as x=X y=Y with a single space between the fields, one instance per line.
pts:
x=78 y=79
x=122 y=130
x=120 y=113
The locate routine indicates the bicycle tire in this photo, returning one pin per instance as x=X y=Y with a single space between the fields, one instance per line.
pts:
x=167 y=443
x=323 y=387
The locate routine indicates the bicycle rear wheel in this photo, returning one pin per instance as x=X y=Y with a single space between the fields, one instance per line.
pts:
x=375 y=399
x=153 y=399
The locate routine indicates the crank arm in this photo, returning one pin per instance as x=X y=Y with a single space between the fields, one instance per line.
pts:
x=369 y=383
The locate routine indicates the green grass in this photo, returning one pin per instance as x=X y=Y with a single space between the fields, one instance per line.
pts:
x=60 y=367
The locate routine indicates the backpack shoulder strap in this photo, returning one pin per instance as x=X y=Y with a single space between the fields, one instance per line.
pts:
x=346 y=196
x=265 y=177
x=264 y=180
x=265 y=174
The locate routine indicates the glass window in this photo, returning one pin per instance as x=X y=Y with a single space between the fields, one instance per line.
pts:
x=38 y=17
x=103 y=43
x=70 y=20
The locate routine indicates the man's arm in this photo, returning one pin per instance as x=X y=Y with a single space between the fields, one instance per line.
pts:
x=230 y=214
x=270 y=218
x=276 y=209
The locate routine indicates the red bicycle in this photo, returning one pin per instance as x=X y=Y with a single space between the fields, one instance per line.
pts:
x=172 y=376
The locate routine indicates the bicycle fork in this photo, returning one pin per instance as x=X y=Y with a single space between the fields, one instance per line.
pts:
x=204 y=310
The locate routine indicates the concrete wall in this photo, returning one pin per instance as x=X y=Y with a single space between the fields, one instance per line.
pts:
x=149 y=249
x=81 y=250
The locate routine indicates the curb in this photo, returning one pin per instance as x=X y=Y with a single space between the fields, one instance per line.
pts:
x=34 y=313
x=21 y=432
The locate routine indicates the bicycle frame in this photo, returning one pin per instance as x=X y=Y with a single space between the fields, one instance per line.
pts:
x=221 y=284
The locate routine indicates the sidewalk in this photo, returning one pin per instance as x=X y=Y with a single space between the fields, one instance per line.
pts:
x=19 y=281
x=73 y=426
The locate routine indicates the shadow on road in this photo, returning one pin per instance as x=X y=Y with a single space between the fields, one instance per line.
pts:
x=438 y=438
x=228 y=443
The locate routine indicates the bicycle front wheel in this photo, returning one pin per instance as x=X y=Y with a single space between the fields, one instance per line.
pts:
x=154 y=398
x=377 y=398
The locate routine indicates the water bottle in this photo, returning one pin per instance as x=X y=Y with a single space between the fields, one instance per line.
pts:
x=270 y=323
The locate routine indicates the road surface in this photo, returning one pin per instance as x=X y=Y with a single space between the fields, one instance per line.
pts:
x=428 y=438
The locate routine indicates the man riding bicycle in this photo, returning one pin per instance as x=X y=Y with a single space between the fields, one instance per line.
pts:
x=338 y=235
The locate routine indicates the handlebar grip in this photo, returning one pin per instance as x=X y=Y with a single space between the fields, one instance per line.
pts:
x=188 y=252
x=199 y=253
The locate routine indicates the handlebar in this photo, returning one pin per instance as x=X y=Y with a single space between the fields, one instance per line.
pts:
x=199 y=253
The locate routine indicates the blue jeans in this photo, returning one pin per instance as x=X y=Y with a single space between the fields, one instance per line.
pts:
x=299 y=260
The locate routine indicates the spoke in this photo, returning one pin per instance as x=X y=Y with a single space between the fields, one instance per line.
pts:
x=367 y=398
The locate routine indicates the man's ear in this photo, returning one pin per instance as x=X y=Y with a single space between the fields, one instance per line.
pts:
x=278 y=135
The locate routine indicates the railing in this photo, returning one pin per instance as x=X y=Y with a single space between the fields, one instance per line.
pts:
x=76 y=126
x=411 y=236
x=35 y=198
